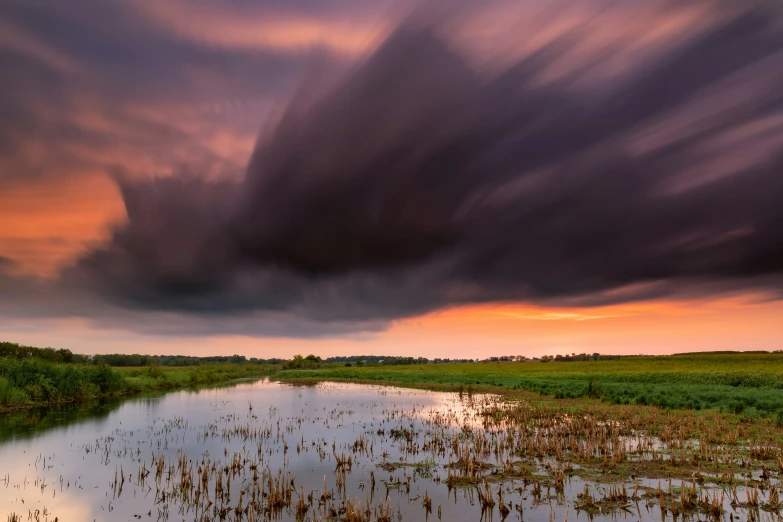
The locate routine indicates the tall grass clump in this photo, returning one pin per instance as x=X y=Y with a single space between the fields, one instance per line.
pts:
x=9 y=395
x=593 y=390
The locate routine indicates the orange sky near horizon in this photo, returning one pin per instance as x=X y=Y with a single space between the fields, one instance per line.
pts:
x=471 y=332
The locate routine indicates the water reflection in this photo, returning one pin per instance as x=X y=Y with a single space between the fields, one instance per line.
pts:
x=264 y=450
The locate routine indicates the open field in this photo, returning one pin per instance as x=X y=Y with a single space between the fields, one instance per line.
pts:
x=31 y=382
x=740 y=383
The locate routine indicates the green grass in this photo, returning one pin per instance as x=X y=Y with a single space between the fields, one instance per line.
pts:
x=35 y=382
x=750 y=383
x=164 y=378
x=737 y=383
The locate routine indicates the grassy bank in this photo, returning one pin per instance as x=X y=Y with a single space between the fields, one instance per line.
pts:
x=741 y=383
x=31 y=382
x=750 y=383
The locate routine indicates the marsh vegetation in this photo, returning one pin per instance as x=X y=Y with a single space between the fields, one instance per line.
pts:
x=34 y=382
x=273 y=451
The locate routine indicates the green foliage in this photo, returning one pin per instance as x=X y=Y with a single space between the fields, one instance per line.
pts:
x=739 y=383
x=299 y=362
x=30 y=375
x=155 y=371
x=18 y=351
x=385 y=360
x=9 y=395
x=42 y=381
x=144 y=379
x=124 y=360
x=37 y=381
x=593 y=390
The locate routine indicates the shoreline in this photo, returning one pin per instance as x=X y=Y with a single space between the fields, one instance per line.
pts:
x=188 y=378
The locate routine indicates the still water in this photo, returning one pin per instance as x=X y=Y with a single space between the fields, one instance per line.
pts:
x=270 y=451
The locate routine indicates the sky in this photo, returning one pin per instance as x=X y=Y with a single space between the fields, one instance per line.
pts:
x=452 y=179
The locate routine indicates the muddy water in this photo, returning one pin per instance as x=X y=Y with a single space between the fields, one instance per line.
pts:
x=250 y=451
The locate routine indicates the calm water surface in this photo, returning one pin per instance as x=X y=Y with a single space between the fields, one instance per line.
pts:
x=131 y=459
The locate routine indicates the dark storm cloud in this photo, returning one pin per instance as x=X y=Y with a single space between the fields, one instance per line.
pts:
x=416 y=184
x=26 y=301
x=419 y=182
x=178 y=253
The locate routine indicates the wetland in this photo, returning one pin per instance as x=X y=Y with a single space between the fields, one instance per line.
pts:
x=271 y=450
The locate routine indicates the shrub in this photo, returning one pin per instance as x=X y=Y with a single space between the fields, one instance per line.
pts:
x=593 y=390
x=107 y=380
x=309 y=362
x=736 y=406
x=10 y=395
x=155 y=371
x=34 y=391
x=5 y=390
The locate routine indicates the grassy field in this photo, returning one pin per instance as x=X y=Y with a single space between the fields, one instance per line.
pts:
x=741 y=383
x=31 y=382
x=749 y=384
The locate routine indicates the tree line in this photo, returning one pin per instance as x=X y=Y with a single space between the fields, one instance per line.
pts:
x=61 y=355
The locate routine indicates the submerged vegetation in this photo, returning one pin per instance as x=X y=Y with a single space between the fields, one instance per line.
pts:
x=263 y=452
x=592 y=436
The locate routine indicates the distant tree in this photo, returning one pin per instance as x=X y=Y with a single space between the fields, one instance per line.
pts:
x=299 y=362
x=66 y=356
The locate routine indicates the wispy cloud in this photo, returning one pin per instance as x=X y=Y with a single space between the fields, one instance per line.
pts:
x=266 y=27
